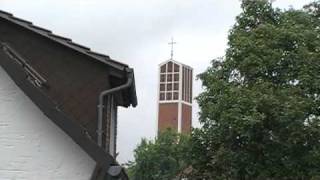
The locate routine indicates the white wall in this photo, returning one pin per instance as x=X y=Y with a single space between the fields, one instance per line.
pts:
x=31 y=146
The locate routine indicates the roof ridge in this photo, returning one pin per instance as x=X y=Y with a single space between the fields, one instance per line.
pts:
x=41 y=29
x=62 y=40
x=60 y=37
x=7 y=13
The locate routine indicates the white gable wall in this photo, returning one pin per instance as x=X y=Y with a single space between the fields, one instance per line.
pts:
x=31 y=146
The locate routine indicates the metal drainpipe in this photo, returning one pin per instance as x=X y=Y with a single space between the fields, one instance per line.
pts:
x=105 y=93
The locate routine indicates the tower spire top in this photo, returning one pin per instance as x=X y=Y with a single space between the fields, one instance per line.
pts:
x=172 y=43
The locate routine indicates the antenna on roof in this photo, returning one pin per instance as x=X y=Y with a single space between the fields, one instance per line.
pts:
x=172 y=43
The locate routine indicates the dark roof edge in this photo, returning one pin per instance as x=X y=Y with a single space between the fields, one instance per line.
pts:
x=132 y=89
x=62 y=40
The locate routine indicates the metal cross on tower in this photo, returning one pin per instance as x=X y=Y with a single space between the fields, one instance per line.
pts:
x=172 y=43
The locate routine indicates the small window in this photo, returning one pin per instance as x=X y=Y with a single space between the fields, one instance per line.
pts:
x=169 y=96
x=169 y=87
x=163 y=68
x=162 y=87
x=175 y=95
x=169 y=77
x=183 y=84
x=176 y=77
x=176 y=87
x=162 y=78
x=176 y=68
x=162 y=96
x=170 y=66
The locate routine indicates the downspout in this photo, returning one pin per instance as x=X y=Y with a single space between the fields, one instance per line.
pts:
x=108 y=92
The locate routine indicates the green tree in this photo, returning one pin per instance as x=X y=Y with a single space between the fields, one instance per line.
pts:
x=161 y=159
x=260 y=110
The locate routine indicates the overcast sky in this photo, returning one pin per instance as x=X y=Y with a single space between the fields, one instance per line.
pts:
x=137 y=32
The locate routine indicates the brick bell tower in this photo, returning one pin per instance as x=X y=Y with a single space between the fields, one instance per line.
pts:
x=175 y=96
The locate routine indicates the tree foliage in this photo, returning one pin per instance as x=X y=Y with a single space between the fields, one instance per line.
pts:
x=161 y=159
x=261 y=107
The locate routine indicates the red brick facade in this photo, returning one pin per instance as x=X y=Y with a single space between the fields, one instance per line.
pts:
x=186 y=118
x=168 y=116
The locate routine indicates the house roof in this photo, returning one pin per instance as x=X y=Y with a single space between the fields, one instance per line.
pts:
x=63 y=40
x=48 y=105
x=67 y=42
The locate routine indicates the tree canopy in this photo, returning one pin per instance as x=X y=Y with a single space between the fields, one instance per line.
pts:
x=161 y=159
x=261 y=106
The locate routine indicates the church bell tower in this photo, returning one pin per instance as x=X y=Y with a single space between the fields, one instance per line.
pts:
x=175 y=96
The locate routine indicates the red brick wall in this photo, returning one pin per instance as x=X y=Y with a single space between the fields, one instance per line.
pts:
x=186 y=118
x=168 y=116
